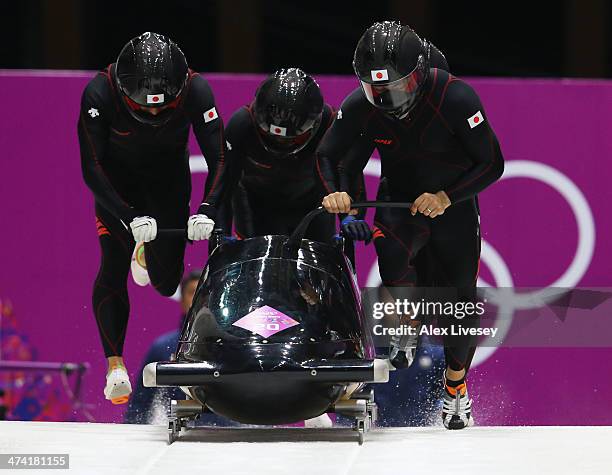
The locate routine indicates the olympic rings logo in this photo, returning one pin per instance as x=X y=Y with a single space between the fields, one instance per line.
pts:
x=507 y=300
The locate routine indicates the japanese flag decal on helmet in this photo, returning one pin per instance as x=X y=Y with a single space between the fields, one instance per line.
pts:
x=380 y=75
x=155 y=98
x=278 y=130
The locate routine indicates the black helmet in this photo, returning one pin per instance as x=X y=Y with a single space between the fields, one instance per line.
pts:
x=151 y=72
x=392 y=64
x=287 y=109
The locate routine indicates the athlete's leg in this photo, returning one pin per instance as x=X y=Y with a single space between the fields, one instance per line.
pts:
x=168 y=203
x=399 y=238
x=455 y=245
x=110 y=297
x=110 y=301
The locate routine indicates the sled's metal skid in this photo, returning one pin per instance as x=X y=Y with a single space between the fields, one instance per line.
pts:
x=173 y=429
x=361 y=407
x=182 y=412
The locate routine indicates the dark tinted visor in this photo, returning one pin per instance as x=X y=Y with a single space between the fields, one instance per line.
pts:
x=393 y=95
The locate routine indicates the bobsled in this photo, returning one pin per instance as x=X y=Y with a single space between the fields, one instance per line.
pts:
x=276 y=334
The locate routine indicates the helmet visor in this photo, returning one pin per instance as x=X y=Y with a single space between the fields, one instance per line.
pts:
x=282 y=145
x=396 y=94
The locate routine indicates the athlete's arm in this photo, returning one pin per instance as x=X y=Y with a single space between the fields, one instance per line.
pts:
x=208 y=130
x=93 y=131
x=350 y=171
x=334 y=167
x=238 y=127
x=245 y=223
x=464 y=113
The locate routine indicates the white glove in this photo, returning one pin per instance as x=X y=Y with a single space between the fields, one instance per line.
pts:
x=144 y=228
x=199 y=226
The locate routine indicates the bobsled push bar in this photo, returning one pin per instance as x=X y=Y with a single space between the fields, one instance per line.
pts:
x=295 y=240
x=300 y=231
x=170 y=373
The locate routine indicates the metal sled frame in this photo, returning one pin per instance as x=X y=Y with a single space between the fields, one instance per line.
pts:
x=360 y=407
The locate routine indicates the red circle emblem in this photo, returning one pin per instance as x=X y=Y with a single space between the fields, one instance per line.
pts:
x=379 y=75
x=476 y=119
x=155 y=99
x=211 y=114
x=277 y=130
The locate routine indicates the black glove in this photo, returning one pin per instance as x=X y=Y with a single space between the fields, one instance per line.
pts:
x=356 y=229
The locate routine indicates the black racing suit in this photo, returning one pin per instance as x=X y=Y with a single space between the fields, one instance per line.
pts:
x=445 y=144
x=134 y=169
x=271 y=194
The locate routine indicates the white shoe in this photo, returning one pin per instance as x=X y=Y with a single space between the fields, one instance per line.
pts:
x=139 y=266
x=118 y=387
x=319 y=422
x=457 y=407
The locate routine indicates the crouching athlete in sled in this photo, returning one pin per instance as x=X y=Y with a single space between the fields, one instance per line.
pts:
x=133 y=129
x=437 y=151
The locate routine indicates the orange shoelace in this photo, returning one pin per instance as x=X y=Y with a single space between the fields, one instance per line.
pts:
x=462 y=388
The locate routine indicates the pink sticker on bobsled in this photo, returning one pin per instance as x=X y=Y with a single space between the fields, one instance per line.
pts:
x=265 y=321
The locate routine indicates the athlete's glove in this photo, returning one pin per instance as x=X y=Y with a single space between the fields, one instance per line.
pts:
x=144 y=228
x=199 y=227
x=356 y=229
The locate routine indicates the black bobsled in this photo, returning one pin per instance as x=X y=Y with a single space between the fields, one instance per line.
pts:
x=276 y=334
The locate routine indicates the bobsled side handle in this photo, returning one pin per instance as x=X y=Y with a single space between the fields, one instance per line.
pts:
x=181 y=233
x=216 y=237
x=149 y=375
x=293 y=244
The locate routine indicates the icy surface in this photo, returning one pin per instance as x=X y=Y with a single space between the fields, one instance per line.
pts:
x=130 y=449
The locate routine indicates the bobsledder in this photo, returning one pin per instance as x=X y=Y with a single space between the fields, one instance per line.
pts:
x=276 y=334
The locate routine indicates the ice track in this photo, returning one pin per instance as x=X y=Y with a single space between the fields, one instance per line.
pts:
x=129 y=449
